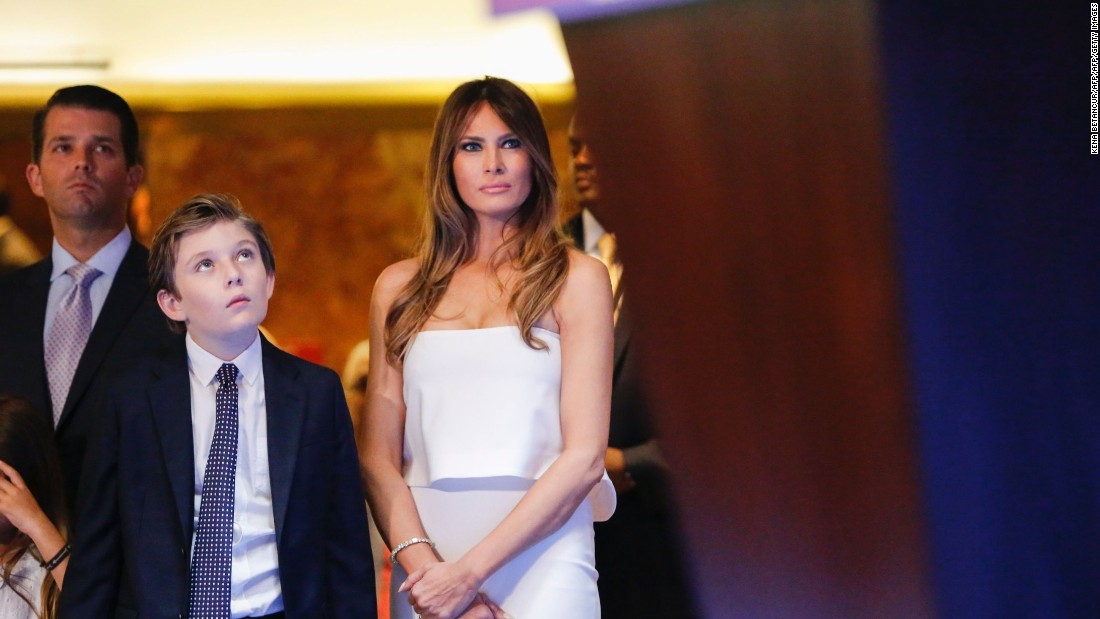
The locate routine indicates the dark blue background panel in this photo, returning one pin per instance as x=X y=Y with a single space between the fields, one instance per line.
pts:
x=999 y=222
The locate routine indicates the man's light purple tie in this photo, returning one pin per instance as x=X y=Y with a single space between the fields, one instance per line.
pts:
x=212 y=559
x=68 y=334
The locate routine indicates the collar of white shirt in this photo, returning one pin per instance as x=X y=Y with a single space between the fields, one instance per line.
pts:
x=107 y=259
x=205 y=365
x=592 y=233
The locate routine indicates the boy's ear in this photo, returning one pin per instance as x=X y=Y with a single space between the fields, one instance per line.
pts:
x=171 y=306
x=270 y=285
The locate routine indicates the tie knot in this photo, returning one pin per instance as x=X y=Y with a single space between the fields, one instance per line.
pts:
x=227 y=374
x=83 y=274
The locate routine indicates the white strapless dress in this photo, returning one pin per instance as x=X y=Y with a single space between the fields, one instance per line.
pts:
x=482 y=424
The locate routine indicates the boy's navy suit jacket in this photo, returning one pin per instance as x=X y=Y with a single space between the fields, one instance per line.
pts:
x=132 y=546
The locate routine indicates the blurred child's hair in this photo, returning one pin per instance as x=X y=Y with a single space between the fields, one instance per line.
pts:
x=27 y=445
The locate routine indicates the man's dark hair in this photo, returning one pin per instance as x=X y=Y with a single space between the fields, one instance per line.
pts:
x=91 y=98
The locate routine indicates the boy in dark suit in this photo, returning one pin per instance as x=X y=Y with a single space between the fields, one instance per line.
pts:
x=224 y=481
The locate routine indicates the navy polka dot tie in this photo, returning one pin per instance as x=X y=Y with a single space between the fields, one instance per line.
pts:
x=212 y=559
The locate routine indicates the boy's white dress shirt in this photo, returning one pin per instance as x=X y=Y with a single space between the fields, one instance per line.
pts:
x=256 y=589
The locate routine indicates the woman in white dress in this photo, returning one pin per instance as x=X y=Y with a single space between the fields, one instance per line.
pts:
x=486 y=420
x=33 y=552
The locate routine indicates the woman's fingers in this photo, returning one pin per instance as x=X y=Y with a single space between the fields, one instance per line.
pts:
x=413 y=578
x=440 y=590
x=498 y=612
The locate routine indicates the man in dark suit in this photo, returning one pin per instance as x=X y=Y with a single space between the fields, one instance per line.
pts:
x=243 y=501
x=85 y=167
x=637 y=550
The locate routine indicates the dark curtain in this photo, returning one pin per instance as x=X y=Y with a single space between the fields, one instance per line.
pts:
x=998 y=208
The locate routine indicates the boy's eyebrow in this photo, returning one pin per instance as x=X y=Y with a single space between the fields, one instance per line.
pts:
x=205 y=252
x=195 y=256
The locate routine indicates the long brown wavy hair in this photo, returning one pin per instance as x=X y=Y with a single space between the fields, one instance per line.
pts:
x=27 y=445
x=538 y=250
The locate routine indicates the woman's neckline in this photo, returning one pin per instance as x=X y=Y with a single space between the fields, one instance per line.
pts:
x=494 y=328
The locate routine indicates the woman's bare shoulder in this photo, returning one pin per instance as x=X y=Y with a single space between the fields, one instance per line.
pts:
x=586 y=287
x=393 y=278
x=398 y=274
x=585 y=271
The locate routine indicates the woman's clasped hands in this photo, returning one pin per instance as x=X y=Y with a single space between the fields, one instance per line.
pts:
x=449 y=591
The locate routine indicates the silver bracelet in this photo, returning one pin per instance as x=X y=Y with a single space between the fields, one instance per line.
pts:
x=409 y=542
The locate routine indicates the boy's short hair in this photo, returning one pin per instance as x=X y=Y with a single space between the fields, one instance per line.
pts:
x=198 y=213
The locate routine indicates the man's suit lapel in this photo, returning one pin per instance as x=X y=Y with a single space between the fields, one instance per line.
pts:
x=170 y=397
x=127 y=292
x=622 y=336
x=27 y=335
x=285 y=413
x=574 y=229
